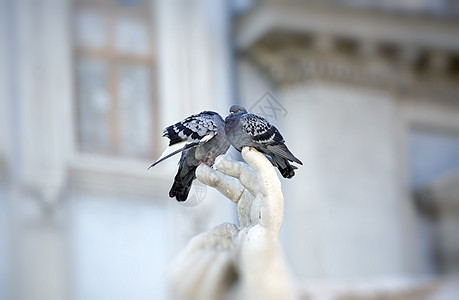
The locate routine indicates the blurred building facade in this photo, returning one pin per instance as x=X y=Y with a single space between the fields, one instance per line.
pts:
x=87 y=87
x=366 y=96
x=369 y=91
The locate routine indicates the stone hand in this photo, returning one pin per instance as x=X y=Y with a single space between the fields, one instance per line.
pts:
x=255 y=188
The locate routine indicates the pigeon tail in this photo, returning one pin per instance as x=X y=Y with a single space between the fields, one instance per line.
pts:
x=285 y=168
x=182 y=183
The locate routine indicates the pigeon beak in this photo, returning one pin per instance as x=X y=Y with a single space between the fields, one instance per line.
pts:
x=232 y=113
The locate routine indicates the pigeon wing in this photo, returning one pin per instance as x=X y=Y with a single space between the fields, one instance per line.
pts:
x=260 y=130
x=267 y=135
x=191 y=132
x=192 y=129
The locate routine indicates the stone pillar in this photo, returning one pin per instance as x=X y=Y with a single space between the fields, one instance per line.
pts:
x=344 y=211
x=194 y=56
x=38 y=107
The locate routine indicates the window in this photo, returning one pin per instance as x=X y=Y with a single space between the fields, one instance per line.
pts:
x=114 y=71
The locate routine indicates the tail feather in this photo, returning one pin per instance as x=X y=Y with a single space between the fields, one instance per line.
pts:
x=170 y=151
x=182 y=183
x=285 y=168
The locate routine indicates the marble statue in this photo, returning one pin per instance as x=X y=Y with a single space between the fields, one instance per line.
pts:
x=231 y=262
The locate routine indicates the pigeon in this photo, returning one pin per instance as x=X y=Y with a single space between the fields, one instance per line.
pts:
x=244 y=129
x=200 y=138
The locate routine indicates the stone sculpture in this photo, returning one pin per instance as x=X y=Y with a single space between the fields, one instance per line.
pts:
x=230 y=262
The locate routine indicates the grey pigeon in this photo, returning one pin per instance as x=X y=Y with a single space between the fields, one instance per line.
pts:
x=244 y=129
x=200 y=138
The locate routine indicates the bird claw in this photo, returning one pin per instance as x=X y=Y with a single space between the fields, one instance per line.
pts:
x=204 y=162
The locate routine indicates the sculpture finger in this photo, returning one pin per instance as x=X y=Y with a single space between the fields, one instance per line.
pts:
x=244 y=208
x=240 y=170
x=272 y=206
x=230 y=187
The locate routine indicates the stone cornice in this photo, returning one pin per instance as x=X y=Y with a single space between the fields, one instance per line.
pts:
x=115 y=176
x=293 y=62
x=301 y=16
x=381 y=54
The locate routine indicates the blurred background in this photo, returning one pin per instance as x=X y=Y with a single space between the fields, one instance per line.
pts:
x=365 y=92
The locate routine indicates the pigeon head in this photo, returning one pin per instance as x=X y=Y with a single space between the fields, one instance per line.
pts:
x=237 y=109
